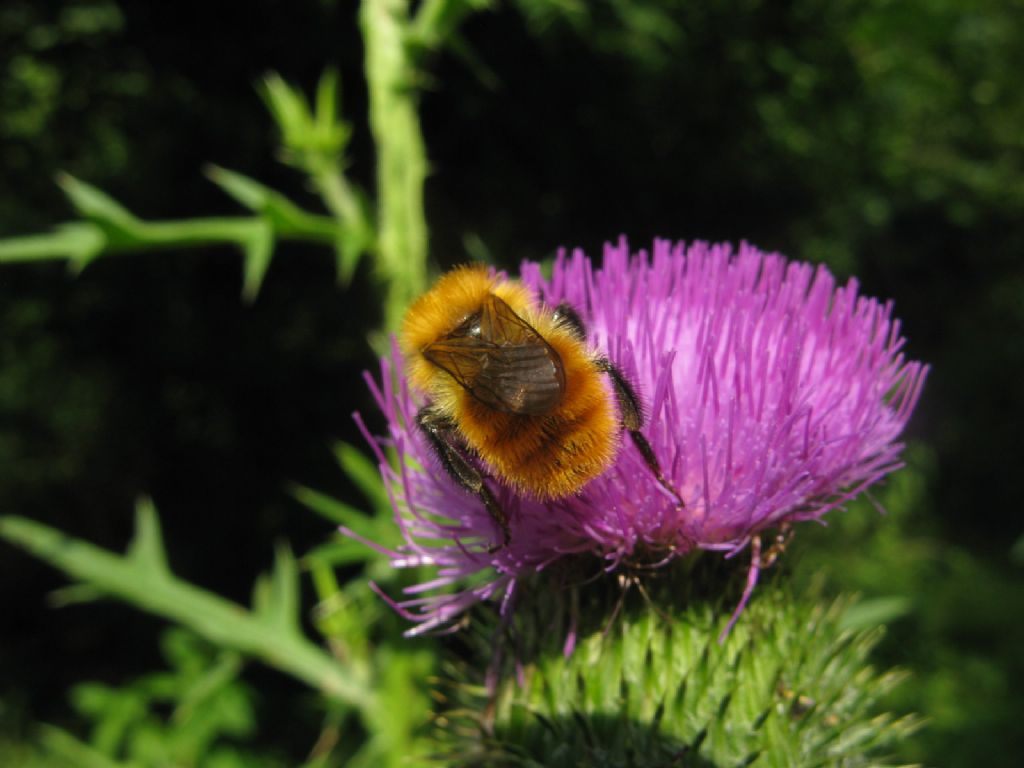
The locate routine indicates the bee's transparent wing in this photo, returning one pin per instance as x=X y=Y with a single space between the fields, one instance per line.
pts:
x=502 y=361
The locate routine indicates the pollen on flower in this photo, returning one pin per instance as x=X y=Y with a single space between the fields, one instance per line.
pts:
x=773 y=395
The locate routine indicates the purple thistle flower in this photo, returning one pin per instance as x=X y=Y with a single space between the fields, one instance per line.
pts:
x=772 y=396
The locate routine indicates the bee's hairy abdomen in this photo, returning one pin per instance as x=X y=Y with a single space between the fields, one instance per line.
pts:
x=552 y=455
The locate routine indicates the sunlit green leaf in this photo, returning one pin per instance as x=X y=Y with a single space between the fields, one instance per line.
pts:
x=94 y=203
x=77 y=753
x=258 y=251
x=875 y=612
x=277 y=597
x=147 y=547
x=331 y=509
x=221 y=621
x=341 y=552
x=245 y=190
x=364 y=473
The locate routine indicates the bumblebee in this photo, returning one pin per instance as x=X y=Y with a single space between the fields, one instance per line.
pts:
x=513 y=391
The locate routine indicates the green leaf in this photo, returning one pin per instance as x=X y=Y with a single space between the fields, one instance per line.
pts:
x=327 y=101
x=354 y=239
x=436 y=21
x=281 y=213
x=331 y=509
x=62 y=744
x=147 y=547
x=286 y=105
x=213 y=679
x=276 y=599
x=875 y=612
x=258 y=251
x=341 y=552
x=224 y=623
x=365 y=474
x=401 y=710
x=109 y=228
x=95 y=204
x=247 y=191
x=74 y=594
x=331 y=615
x=87 y=243
x=179 y=717
x=313 y=137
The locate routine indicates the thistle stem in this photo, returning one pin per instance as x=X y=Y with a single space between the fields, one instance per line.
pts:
x=401 y=156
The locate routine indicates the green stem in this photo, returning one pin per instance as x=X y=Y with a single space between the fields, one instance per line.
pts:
x=63 y=244
x=71 y=240
x=401 y=156
x=212 y=231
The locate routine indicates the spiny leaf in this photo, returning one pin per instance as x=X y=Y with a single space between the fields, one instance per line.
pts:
x=109 y=228
x=873 y=613
x=436 y=21
x=285 y=103
x=354 y=239
x=331 y=509
x=313 y=137
x=340 y=552
x=95 y=204
x=257 y=250
x=326 y=111
x=74 y=594
x=247 y=191
x=214 y=678
x=284 y=216
x=221 y=621
x=365 y=474
x=147 y=547
x=277 y=602
x=62 y=744
x=87 y=241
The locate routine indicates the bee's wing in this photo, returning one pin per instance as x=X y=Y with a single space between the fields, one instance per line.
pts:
x=502 y=361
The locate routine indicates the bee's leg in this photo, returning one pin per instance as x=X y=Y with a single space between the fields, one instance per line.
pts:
x=443 y=438
x=633 y=419
x=778 y=547
x=568 y=317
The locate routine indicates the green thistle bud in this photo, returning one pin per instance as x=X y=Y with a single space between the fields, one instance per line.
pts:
x=790 y=686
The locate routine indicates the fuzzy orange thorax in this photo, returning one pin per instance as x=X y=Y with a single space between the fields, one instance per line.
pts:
x=545 y=456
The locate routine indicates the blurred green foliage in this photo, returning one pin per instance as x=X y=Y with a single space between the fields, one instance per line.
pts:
x=207 y=704
x=880 y=137
x=952 y=612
